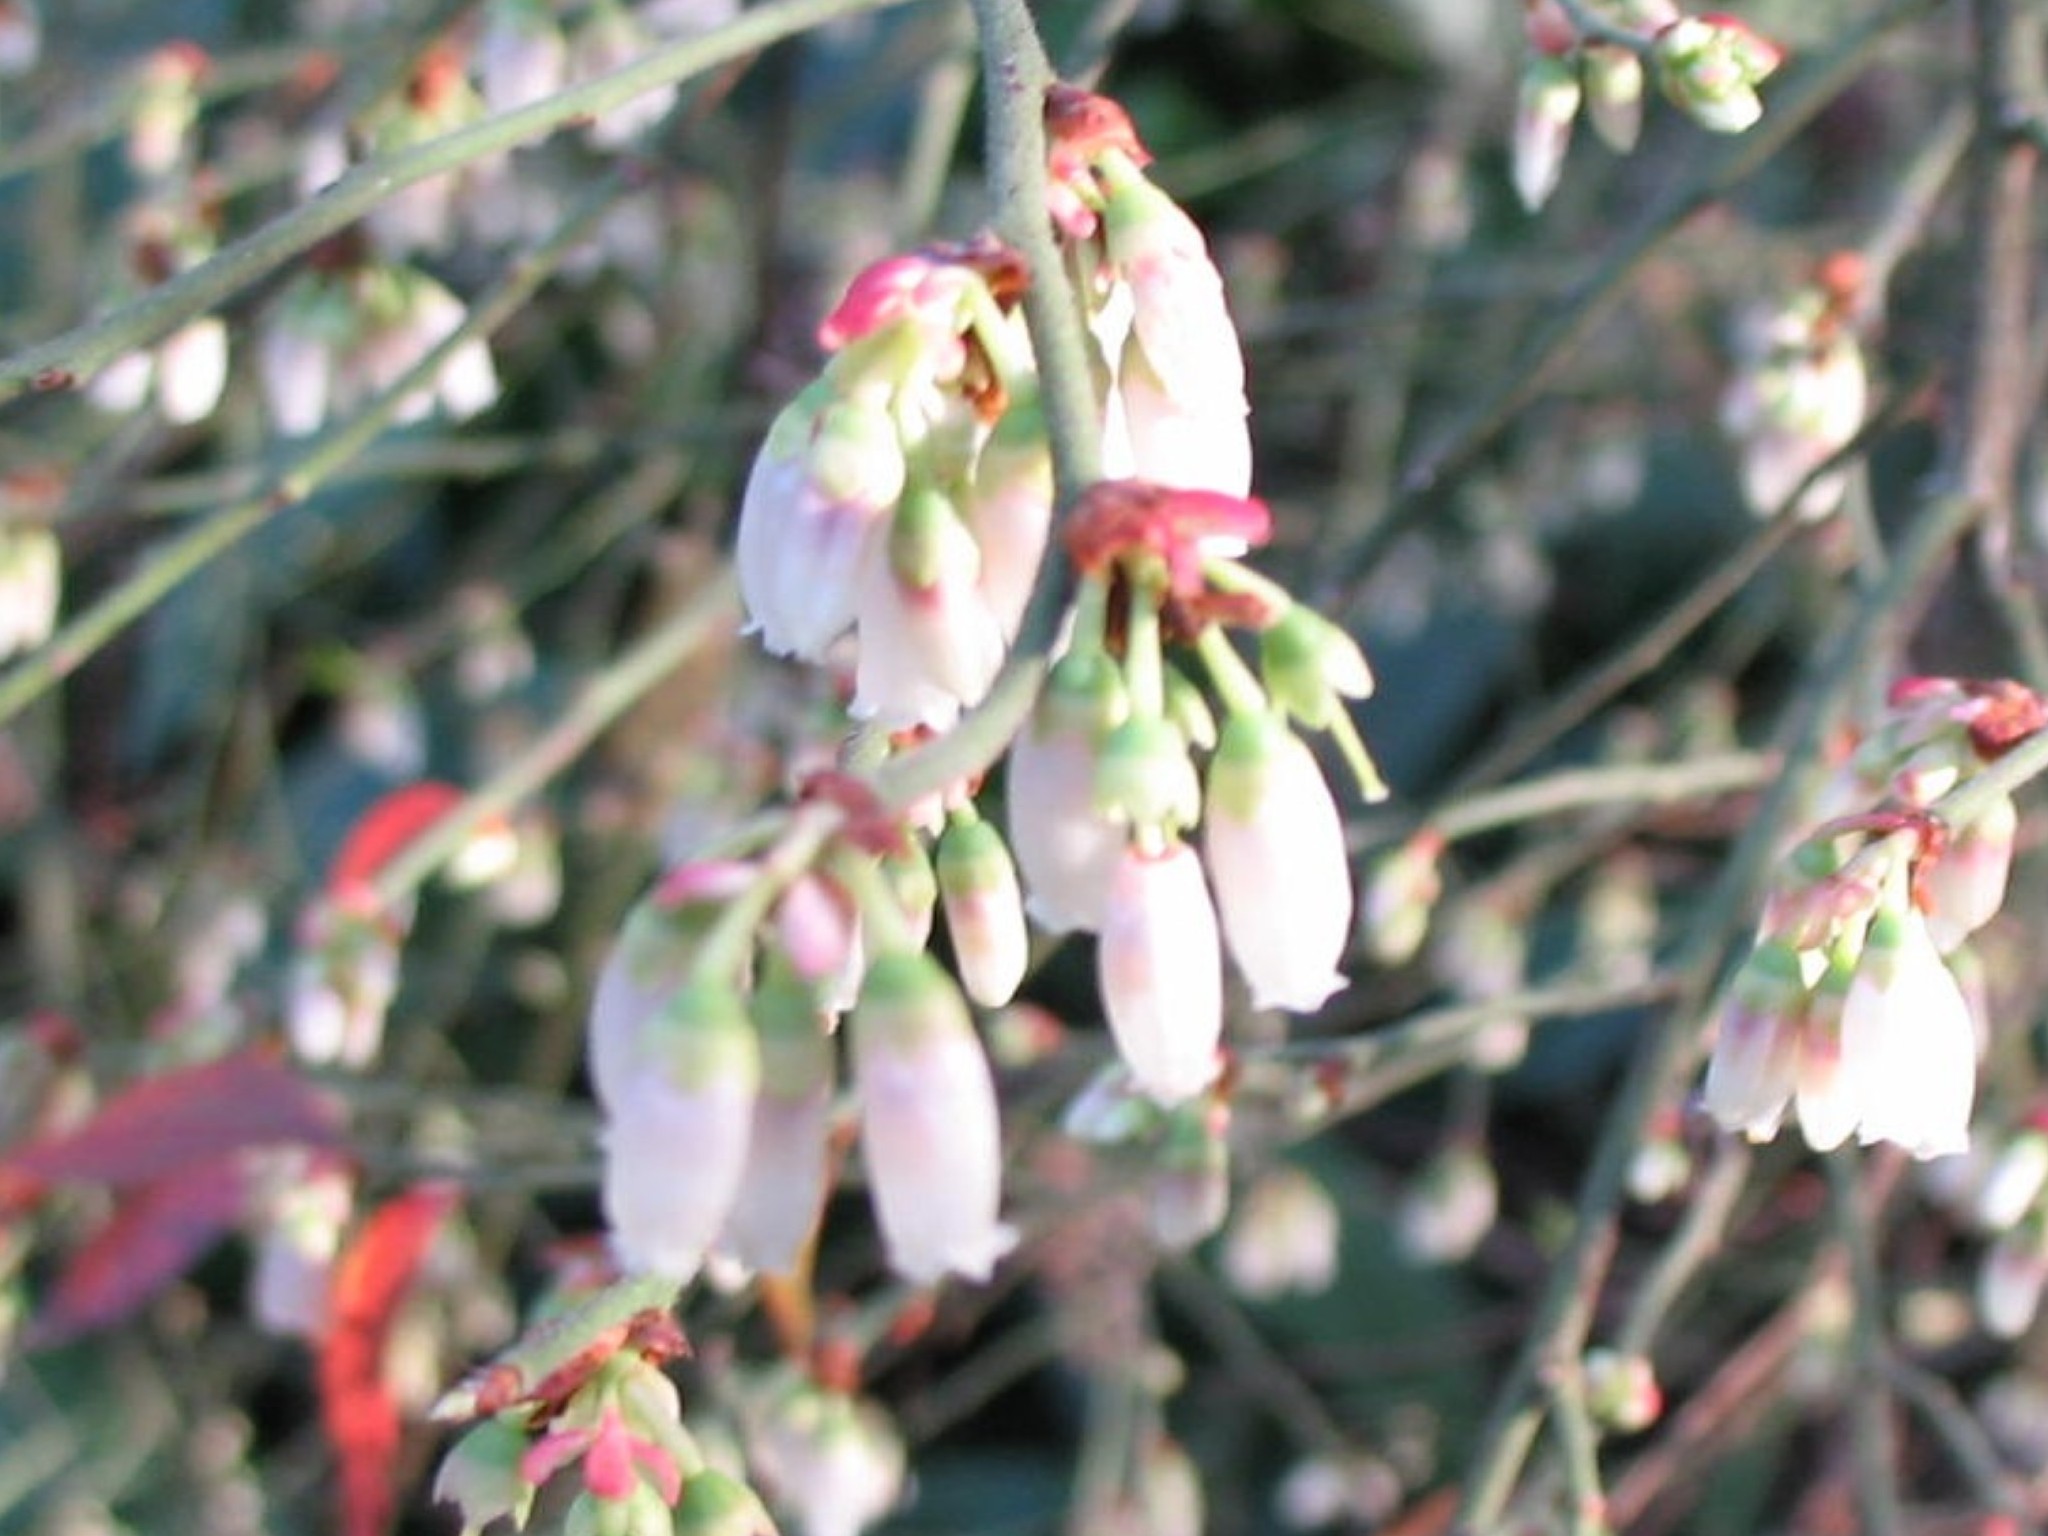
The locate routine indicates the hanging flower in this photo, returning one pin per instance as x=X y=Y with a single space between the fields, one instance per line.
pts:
x=690 y=1107
x=1275 y=848
x=928 y=1122
x=1160 y=970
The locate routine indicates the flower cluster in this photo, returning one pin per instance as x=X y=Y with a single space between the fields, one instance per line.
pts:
x=1593 y=54
x=1798 y=393
x=905 y=495
x=1847 y=1009
x=1103 y=785
x=711 y=1047
x=609 y=1411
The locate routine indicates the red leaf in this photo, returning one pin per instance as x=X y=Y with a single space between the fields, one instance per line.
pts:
x=380 y=832
x=170 y=1123
x=155 y=1235
x=370 y=1279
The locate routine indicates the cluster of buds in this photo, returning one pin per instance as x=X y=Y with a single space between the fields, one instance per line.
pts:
x=906 y=493
x=184 y=373
x=609 y=1411
x=350 y=326
x=711 y=1045
x=1174 y=407
x=1593 y=53
x=2011 y=1204
x=1847 y=1008
x=830 y=1459
x=524 y=53
x=1104 y=788
x=1798 y=393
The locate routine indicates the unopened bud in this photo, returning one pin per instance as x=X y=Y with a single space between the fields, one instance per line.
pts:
x=984 y=910
x=481 y=1476
x=1145 y=777
x=714 y=1504
x=1622 y=1391
x=1310 y=665
x=1710 y=70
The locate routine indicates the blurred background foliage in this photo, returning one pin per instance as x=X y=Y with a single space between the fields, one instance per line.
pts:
x=1348 y=160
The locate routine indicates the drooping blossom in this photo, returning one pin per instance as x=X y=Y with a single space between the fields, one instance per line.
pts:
x=690 y=1106
x=782 y=1191
x=1159 y=966
x=984 y=907
x=1275 y=849
x=930 y=1134
x=1066 y=847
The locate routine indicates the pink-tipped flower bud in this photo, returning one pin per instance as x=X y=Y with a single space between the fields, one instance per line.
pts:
x=1179 y=315
x=930 y=1131
x=1010 y=510
x=31 y=585
x=929 y=642
x=1545 y=107
x=1449 y=1208
x=689 y=1107
x=1400 y=897
x=1711 y=67
x=2010 y=1280
x=1275 y=848
x=1622 y=1391
x=1965 y=886
x=1754 y=1068
x=1160 y=971
x=984 y=910
x=1614 y=95
x=781 y=1195
x=814 y=515
x=2012 y=1188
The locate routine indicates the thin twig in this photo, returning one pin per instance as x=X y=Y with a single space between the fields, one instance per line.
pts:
x=79 y=353
x=191 y=551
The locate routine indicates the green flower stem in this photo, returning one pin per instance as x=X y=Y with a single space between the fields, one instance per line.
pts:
x=1592 y=27
x=1235 y=682
x=708 y=616
x=1144 y=652
x=1597 y=789
x=726 y=949
x=1873 y=1442
x=1709 y=1207
x=78 y=353
x=336 y=447
x=882 y=920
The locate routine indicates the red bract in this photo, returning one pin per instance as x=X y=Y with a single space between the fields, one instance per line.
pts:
x=1116 y=520
x=361 y=1418
x=1080 y=125
x=381 y=832
x=154 y=1236
x=167 y=1124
